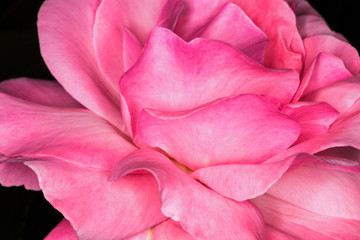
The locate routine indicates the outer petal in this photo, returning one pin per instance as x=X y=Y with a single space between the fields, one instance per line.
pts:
x=17 y=174
x=65 y=33
x=196 y=73
x=277 y=20
x=76 y=135
x=63 y=231
x=96 y=208
x=233 y=26
x=314 y=118
x=200 y=211
x=329 y=44
x=334 y=94
x=242 y=129
x=38 y=91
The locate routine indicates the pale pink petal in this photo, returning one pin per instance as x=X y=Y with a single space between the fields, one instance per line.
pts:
x=96 y=208
x=304 y=224
x=63 y=231
x=170 y=230
x=17 y=174
x=196 y=73
x=65 y=33
x=325 y=69
x=39 y=91
x=71 y=134
x=132 y=48
x=334 y=94
x=200 y=211
x=233 y=26
x=329 y=44
x=242 y=129
x=325 y=191
x=285 y=48
x=314 y=118
x=242 y=181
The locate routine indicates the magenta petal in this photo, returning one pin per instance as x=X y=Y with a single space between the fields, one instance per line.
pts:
x=242 y=181
x=242 y=129
x=63 y=231
x=233 y=26
x=314 y=118
x=65 y=33
x=200 y=211
x=17 y=174
x=334 y=94
x=39 y=91
x=330 y=44
x=96 y=208
x=71 y=134
x=196 y=73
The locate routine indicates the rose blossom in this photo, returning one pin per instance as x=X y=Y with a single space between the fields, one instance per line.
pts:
x=187 y=119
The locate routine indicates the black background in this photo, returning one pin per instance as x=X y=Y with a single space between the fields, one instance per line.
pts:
x=26 y=214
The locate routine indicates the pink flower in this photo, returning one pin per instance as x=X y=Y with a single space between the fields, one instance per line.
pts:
x=186 y=119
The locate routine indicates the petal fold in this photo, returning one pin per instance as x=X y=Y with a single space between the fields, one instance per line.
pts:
x=63 y=231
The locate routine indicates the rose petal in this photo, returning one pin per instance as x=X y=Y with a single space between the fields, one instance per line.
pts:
x=170 y=230
x=132 y=48
x=330 y=44
x=276 y=234
x=233 y=26
x=17 y=174
x=65 y=33
x=242 y=181
x=285 y=49
x=325 y=69
x=77 y=135
x=230 y=130
x=314 y=118
x=96 y=208
x=334 y=94
x=39 y=91
x=62 y=231
x=196 y=73
x=200 y=211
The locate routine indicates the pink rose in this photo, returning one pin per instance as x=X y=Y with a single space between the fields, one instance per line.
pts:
x=186 y=119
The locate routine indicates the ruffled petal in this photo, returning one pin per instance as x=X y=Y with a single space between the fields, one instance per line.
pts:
x=65 y=33
x=200 y=211
x=242 y=181
x=314 y=118
x=285 y=49
x=96 y=208
x=63 y=231
x=196 y=73
x=77 y=135
x=39 y=91
x=230 y=130
x=233 y=26
x=334 y=94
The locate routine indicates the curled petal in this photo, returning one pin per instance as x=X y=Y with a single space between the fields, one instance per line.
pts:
x=230 y=130
x=200 y=211
x=63 y=231
x=17 y=174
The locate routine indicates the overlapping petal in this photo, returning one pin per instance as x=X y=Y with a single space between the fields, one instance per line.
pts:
x=62 y=231
x=196 y=73
x=230 y=130
x=209 y=217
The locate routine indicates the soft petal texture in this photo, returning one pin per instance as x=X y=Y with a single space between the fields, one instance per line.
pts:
x=200 y=211
x=63 y=231
x=314 y=118
x=330 y=44
x=304 y=224
x=276 y=234
x=71 y=134
x=169 y=230
x=17 y=174
x=39 y=91
x=334 y=94
x=67 y=48
x=242 y=181
x=195 y=73
x=325 y=69
x=230 y=130
x=132 y=48
x=96 y=208
x=285 y=48
x=233 y=26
